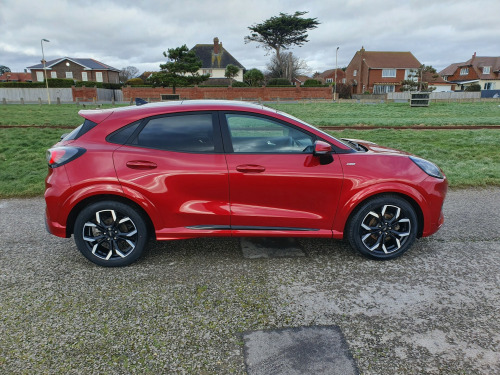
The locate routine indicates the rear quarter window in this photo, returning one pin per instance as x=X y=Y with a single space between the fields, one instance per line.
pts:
x=80 y=130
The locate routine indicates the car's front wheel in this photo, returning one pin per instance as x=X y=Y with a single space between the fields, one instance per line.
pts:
x=383 y=228
x=110 y=234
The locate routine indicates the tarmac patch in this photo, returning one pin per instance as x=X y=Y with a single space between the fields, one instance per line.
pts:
x=305 y=350
x=264 y=247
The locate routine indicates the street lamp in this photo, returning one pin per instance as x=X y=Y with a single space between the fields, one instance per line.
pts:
x=335 y=87
x=45 y=69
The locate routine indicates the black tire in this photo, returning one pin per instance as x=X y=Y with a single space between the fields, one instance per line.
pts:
x=111 y=234
x=383 y=228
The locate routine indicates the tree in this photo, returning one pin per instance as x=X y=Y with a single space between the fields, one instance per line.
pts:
x=254 y=77
x=288 y=66
x=128 y=73
x=181 y=69
x=4 y=69
x=231 y=72
x=414 y=81
x=282 y=32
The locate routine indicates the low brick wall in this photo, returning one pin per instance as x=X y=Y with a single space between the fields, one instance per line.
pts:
x=84 y=94
x=231 y=93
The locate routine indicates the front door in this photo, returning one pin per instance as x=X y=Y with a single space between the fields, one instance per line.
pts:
x=276 y=183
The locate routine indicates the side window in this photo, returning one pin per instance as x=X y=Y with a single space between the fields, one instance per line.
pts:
x=184 y=133
x=252 y=134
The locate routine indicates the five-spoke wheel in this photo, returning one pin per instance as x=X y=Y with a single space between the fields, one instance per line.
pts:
x=110 y=233
x=383 y=228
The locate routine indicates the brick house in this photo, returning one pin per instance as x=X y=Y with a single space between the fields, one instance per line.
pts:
x=215 y=59
x=481 y=70
x=328 y=76
x=379 y=72
x=15 y=77
x=77 y=69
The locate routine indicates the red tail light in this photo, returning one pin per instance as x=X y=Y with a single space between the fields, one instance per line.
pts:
x=61 y=155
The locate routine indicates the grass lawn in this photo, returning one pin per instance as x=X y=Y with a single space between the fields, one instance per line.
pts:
x=394 y=114
x=468 y=157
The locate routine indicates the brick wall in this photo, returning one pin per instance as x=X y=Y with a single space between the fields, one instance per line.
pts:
x=84 y=94
x=231 y=93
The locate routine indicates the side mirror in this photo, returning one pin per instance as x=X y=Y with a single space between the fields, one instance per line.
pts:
x=322 y=148
x=324 y=151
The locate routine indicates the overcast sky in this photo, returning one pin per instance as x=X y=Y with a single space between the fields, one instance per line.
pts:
x=134 y=32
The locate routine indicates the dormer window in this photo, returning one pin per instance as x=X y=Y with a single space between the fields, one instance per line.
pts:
x=464 y=71
x=486 y=70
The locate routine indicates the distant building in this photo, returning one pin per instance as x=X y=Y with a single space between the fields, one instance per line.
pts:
x=481 y=70
x=15 y=77
x=215 y=59
x=379 y=72
x=77 y=69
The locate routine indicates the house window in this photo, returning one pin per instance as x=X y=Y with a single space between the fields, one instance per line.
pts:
x=464 y=71
x=489 y=86
x=207 y=71
x=84 y=76
x=486 y=70
x=388 y=73
x=69 y=75
x=329 y=80
x=98 y=76
x=355 y=73
x=445 y=78
x=383 y=89
x=343 y=80
x=53 y=74
x=39 y=76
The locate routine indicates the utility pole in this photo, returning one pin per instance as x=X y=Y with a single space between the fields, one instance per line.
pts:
x=45 y=69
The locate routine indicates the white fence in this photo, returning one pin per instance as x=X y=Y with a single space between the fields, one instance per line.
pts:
x=15 y=94
x=451 y=96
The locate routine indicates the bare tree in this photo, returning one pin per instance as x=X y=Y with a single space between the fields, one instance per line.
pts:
x=286 y=66
x=128 y=73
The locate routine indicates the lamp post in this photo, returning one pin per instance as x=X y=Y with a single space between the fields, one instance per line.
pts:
x=45 y=69
x=335 y=87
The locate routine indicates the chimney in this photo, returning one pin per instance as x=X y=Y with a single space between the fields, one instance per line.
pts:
x=473 y=58
x=216 y=45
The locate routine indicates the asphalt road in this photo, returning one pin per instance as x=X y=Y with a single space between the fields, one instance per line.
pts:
x=187 y=305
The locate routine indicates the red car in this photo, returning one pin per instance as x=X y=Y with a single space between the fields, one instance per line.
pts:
x=218 y=168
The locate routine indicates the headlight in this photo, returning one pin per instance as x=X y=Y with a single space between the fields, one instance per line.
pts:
x=430 y=168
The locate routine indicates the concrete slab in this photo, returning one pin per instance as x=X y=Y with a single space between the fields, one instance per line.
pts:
x=306 y=350
x=259 y=247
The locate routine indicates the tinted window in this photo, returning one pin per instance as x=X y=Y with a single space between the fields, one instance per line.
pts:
x=79 y=131
x=188 y=133
x=251 y=134
x=122 y=135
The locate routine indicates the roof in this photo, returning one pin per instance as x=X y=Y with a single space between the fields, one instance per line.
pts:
x=86 y=63
x=434 y=79
x=210 y=60
x=13 y=76
x=384 y=59
x=478 y=63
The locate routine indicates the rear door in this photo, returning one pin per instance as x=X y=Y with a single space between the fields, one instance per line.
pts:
x=175 y=164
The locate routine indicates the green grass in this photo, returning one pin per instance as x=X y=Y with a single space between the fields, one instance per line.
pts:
x=22 y=160
x=467 y=157
x=394 y=114
x=42 y=115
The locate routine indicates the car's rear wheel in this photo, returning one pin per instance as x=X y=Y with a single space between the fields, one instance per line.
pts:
x=383 y=228
x=110 y=234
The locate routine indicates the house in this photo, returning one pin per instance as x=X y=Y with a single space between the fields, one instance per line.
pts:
x=215 y=59
x=328 y=76
x=77 y=69
x=481 y=70
x=379 y=72
x=436 y=82
x=300 y=80
x=15 y=77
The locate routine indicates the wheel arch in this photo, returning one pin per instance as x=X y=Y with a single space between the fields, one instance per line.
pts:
x=418 y=210
x=70 y=222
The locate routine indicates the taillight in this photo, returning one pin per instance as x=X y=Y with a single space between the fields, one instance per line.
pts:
x=61 y=155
